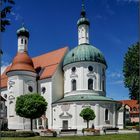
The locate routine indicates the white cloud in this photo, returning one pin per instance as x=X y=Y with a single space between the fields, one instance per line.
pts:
x=114 y=75
x=17 y=16
x=116 y=82
x=4 y=65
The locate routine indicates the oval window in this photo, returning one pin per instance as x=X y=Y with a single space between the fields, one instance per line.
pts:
x=43 y=90
x=73 y=69
x=90 y=68
x=30 y=88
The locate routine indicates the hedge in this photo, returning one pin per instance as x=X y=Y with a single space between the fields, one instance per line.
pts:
x=18 y=133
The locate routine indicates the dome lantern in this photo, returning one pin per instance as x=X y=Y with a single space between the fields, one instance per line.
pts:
x=23 y=36
x=83 y=27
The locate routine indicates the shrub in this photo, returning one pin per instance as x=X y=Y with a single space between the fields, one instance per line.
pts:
x=54 y=134
x=131 y=123
x=4 y=126
x=18 y=133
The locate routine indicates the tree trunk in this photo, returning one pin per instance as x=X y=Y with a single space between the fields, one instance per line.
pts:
x=87 y=123
x=31 y=124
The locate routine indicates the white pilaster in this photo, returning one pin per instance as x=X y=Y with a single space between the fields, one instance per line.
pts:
x=97 y=113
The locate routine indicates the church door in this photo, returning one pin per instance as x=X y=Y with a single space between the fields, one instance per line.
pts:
x=65 y=124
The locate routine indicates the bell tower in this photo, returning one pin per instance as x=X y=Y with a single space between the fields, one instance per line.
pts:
x=23 y=36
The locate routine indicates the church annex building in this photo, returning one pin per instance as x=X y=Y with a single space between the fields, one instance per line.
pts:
x=69 y=80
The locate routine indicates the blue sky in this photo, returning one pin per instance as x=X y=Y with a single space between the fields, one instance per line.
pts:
x=53 y=25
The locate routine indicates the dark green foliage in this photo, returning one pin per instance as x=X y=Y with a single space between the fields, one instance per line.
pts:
x=6 y=7
x=54 y=134
x=131 y=71
x=4 y=126
x=18 y=134
x=31 y=106
x=87 y=114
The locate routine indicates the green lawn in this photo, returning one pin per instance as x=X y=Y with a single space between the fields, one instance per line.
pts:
x=103 y=137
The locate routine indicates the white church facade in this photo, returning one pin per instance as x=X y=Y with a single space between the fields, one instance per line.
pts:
x=68 y=80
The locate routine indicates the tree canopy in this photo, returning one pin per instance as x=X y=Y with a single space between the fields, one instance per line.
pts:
x=87 y=114
x=6 y=7
x=131 y=71
x=31 y=106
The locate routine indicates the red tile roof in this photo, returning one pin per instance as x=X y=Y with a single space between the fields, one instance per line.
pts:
x=130 y=103
x=22 y=61
x=46 y=64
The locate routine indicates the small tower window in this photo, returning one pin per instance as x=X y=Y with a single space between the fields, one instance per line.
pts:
x=90 y=84
x=73 y=85
x=25 y=42
x=22 y=41
x=106 y=115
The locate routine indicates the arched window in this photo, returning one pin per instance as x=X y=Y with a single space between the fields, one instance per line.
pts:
x=22 y=41
x=106 y=115
x=90 y=84
x=103 y=72
x=11 y=109
x=74 y=84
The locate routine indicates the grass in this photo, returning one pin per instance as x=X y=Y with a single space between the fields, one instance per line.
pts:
x=103 y=137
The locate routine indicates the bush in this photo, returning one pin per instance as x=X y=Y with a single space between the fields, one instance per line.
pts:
x=131 y=123
x=18 y=133
x=4 y=126
x=54 y=134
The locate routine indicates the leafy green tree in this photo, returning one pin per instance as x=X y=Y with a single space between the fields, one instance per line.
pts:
x=87 y=114
x=31 y=106
x=6 y=7
x=131 y=71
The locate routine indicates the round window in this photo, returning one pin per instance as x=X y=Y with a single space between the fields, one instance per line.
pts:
x=90 y=68
x=73 y=69
x=30 y=88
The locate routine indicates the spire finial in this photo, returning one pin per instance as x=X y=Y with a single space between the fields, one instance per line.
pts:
x=83 y=13
x=83 y=5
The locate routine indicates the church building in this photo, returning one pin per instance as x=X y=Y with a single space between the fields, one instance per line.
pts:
x=69 y=80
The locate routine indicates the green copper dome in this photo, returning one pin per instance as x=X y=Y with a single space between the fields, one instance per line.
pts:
x=84 y=52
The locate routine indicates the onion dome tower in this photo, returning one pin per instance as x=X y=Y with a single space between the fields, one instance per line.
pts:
x=21 y=80
x=22 y=61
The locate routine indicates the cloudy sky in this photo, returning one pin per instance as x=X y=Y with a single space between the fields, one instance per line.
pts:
x=53 y=25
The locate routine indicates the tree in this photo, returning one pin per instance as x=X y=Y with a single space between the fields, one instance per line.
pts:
x=6 y=7
x=131 y=71
x=87 y=114
x=31 y=106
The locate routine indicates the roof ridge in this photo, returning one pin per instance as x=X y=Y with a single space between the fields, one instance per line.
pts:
x=49 y=52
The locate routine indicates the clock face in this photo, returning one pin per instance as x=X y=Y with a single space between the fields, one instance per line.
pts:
x=65 y=107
